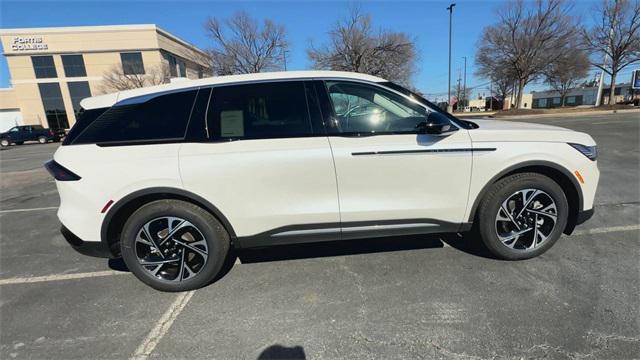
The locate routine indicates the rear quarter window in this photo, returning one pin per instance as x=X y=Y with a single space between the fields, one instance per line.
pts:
x=163 y=117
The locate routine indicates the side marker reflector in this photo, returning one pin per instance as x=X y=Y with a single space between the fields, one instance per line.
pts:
x=579 y=176
x=106 y=206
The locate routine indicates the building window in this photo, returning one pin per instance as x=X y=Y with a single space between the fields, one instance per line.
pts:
x=53 y=105
x=571 y=100
x=556 y=101
x=44 y=67
x=182 y=67
x=73 y=66
x=132 y=63
x=78 y=91
x=172 y=62
x=200 y=72
x=542 y=103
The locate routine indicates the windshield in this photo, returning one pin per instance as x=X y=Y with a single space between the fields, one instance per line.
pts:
x=465 y=124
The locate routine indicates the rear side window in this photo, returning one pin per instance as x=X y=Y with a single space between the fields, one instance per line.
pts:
x=83 y=119
x=259 y=111
x=164 y=117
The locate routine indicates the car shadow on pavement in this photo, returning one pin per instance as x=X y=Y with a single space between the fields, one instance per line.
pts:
x=469 y=243
x=279 y=352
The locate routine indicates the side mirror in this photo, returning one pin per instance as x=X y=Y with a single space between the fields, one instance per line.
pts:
x=435 y=124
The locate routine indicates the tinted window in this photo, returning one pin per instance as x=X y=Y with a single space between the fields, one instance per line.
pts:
x=83 y=119
x=258 y=111
x=44 y=67
x=363 y=108
x=78 y=91
x=132 y=63
x=73 y=65
x=164 y=117
x=53 y=105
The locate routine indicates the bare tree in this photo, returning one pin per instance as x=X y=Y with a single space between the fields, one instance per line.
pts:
x=496 y=70
x=242 y=46
x=353 y=46
x=116 y=80
x=616 y=35
x=527 y=37
x=567 y=71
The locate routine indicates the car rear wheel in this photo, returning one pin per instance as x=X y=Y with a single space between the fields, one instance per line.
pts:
x=174 y=245
x=4 y=142
x=522 y=216
x=42 y=140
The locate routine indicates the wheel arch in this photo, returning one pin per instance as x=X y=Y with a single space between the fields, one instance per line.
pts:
x=558 y=173
x=120 y=211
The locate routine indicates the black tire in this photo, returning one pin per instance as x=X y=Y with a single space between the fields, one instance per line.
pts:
x=5 y=142
x=501 y=191
x=217 y=240
x=42 y=139
x=19 y=142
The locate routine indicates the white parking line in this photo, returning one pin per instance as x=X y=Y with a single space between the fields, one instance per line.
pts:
x=25 y=210
x=602 y=230
x=28 y=280
x=162 y=326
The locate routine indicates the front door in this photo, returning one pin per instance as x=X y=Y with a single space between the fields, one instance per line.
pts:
x=392 y=180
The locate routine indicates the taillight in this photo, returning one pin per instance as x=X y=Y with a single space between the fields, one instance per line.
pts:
x=59 y=172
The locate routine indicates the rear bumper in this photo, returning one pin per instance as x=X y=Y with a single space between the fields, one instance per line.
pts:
x=584 y=216
x=89 y=248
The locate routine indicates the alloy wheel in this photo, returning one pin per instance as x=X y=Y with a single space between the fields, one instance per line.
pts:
x=526 y=219
x=171 y=248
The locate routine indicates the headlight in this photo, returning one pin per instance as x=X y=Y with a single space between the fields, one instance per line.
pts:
x=589 y=151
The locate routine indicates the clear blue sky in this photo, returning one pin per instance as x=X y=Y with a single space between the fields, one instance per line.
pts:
x=427 y=21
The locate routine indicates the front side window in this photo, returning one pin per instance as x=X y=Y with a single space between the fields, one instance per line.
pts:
x=259 y=111
x=361 y=108
x=44 y=67
x=132 y=63
x=73 y=66
x=78 y=91
x=53 y=105
x=161 y=118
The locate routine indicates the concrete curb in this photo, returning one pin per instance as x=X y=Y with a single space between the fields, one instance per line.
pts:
x=568 y=114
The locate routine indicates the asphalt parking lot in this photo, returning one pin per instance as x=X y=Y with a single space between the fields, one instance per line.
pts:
x=412 y=297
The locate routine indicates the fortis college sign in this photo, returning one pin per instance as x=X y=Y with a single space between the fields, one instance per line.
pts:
x=28 y=43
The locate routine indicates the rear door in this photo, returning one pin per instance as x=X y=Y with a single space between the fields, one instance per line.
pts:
x=266 y=163
x=392 y=180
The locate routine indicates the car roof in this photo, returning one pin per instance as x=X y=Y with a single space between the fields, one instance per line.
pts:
x=107 y=100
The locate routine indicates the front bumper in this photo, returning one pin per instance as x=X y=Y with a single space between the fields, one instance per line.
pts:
x=89 y=248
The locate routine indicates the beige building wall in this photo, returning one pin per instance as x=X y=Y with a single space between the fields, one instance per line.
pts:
x=100 y=47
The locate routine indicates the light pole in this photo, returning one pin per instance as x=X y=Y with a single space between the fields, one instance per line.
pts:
x=464 y=92
x=449 y=107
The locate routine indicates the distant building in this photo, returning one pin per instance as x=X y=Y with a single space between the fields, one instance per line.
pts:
x=583 y=96
x=52 y=69
x=525 y=103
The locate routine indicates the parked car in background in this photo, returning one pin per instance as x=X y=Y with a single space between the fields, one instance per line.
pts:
x=171 y=177
x=19 y=134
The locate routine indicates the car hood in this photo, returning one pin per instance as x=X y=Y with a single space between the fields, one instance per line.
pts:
x=505 y=130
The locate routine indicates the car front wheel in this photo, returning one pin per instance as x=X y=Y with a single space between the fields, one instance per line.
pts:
x=522 y=216
x=4 y=142
x=174 y=245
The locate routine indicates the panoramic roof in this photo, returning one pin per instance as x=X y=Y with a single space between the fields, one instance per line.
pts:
x=107 y=100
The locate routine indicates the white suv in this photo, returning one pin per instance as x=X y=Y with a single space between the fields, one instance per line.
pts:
x=170 y=177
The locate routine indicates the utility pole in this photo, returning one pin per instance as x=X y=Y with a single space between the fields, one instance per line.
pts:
x=284 y=57
x=490 y=96
x=449 y=106
x=464 y=92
